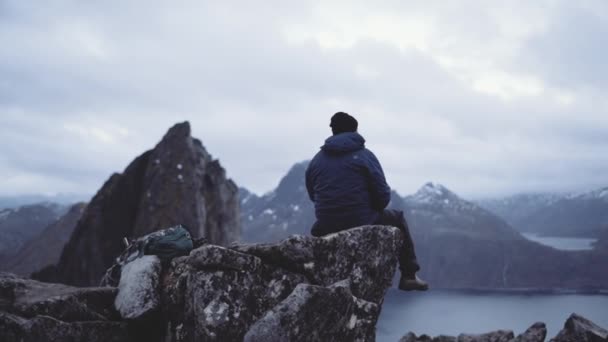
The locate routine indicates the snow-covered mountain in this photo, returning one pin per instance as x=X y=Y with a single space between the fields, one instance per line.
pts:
x=516 y=208
x=276 y=215
x=435 y=209
x=20 y=224
x=578 y=215
x=432 y=209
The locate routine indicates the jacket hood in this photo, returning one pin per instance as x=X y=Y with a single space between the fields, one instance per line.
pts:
x=344 y=142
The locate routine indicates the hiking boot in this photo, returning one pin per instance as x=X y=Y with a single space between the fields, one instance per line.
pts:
x=412 y=283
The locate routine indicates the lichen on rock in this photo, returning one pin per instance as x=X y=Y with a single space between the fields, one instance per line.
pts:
x=300 y=289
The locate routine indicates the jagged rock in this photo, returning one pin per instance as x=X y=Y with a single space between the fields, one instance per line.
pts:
x=580 y=329
x=213 y=257
x=219 y=294
x=411 y=337
x=494 y=336
x=177 y=182
x=334 y=292
x=576 y=329
x=536 y=333
x=356 y=254
x=35 y=311
x=28 y=298
x=298 y=318
x=138 y=289
x=44 y=328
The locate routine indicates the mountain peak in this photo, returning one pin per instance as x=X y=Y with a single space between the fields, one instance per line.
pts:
x=433 y=191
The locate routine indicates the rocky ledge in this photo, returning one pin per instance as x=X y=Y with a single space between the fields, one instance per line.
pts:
x=576 y=329
x=301 y=289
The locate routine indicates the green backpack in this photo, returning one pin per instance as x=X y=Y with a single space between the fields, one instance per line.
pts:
x=166 y=244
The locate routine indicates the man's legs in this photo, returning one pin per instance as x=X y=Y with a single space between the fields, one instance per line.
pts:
x=407 y=255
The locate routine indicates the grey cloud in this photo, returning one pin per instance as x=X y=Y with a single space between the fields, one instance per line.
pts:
x=573 y=51
x=260 y=103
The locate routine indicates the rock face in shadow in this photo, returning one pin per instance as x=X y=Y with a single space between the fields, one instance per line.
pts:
x=301 y=289
x=177 y=182
x=576 y=329
x=35 y=311
x=45 y=249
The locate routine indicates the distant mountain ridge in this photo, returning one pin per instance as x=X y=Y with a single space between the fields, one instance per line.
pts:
x=64 y=199
x=45 y=248
x=439 y=210
x=20 y=224
x=285 y=211
x=571 y=215
x=516 y=208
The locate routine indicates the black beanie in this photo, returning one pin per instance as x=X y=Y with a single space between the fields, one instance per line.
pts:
x=342 y=122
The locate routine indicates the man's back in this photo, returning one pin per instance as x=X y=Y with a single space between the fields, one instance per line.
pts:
x=346 y=183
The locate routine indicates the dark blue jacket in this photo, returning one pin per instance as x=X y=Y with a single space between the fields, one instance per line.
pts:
x=346 y=183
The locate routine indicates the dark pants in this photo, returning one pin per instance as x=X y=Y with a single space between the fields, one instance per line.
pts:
x=389 y=217
x=407 y=255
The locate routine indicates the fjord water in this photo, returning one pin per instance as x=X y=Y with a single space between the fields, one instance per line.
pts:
x=452 y=312
x=562 y=243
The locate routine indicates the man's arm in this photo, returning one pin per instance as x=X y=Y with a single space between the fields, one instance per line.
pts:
x=309 y=187
x=379 y=190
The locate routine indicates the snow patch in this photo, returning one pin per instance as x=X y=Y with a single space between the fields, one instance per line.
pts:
x=268 y=211
x=5 y=213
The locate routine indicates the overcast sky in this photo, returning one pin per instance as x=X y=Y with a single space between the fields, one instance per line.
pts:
x=486 y=97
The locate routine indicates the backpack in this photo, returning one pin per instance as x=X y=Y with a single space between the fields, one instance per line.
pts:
x=166 y=244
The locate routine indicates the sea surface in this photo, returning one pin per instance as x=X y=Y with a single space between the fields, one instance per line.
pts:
x=452 y=312
x=563 y=243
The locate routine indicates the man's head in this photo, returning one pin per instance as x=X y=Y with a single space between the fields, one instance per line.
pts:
x=342 y=122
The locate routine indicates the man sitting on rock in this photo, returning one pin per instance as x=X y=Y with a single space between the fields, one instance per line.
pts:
x=347 y=185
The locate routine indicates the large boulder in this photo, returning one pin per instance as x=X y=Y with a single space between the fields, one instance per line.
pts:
x=35 y=311
x=298 y=318
x=576 y=329
x=177 y=182
x=535 y=333
x=580 y=329
x=330 y=287
x=138 y=289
